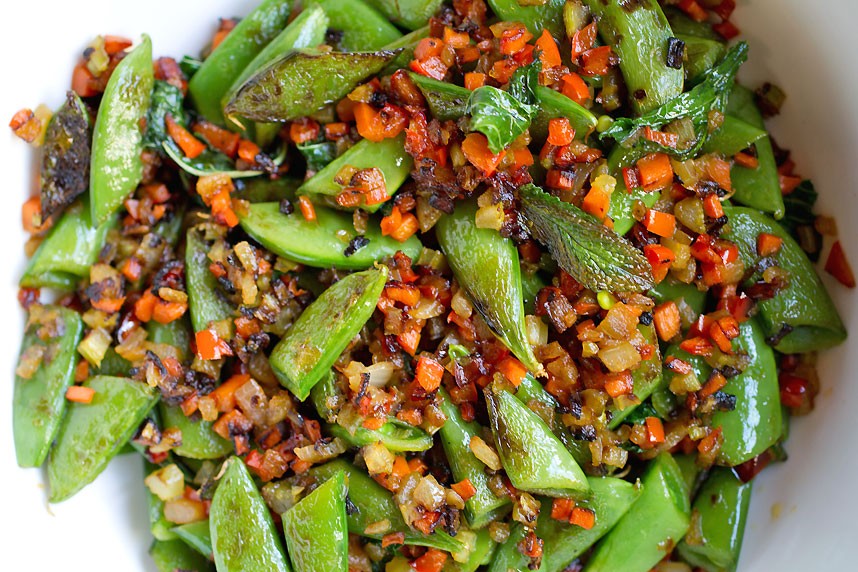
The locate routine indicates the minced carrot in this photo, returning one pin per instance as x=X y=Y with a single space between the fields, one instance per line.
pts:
x=190 y=145
x=464 y=489
x=560 y=131
x=224 y=394
x=746 y=160
x=477 y=152
x=655 y=171
x=575 y=88
x=583 y=517
x=428 y=374
x=248 y=150
x=80 y=394
x=768 y=244
x=666 y=320
x=307 y=208
x=473 y=80
x=715 y=383
x=618 y=384
x=654 y=430
x=513 y=370
x=838 y=266
x=662 y=224
x=549 y=54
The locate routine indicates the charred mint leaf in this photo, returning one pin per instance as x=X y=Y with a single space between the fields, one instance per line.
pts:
x=66 y=159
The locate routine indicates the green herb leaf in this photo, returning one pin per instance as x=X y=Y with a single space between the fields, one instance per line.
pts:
x=710 y=95
x=166 y=99
x=318 y=154
x=593 y=254
x=799 y=213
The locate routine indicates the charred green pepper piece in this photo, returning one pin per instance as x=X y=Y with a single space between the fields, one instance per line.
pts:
x=410 y=14
x=537 y=17
x=310 y=347
x=204 y=302
x=197 y=535
x=172 y=555
x=40 y=400
x=317 y=243
x=361 y=26
x=647 y=377
x=117 y=141
x=66 y=156
x=92 y=433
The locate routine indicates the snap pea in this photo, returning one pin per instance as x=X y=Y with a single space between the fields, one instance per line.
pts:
x=112 y=364
x=733 y=136
x=316 y=530
x=361 y=26
x=609 y=498
x=92 y=433
x=310 y=347
x=647 y=377
x=691 y=472
x=172 y=555
x=639 y=34
x=410 y=14
x=680 y=23
x=318 y=243
x=66 y=156
x=388 y=155
x=242 y=531
x=651 y=527
x=553 y=104
x=486 y=266
x=805 y=305
x=282 y=91
x=40 y=401
x=622 y=203
x=217 y=73
x=211 y=162
x=204 y=302
x=446 y=101
x=117 y=141
x=534 y=459
x=70 y=248
x=670 y=290
x=265 y=190
x=537 y=17
x=701 y=55
x=720 y=512
x=197 y=535
x=405 y=46
x=159 y=526
x=199 y=441
x=531 y=284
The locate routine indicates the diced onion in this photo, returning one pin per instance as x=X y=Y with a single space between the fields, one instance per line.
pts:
x=184 y=511
x=377 y=458
x=485 y=453
x=166 y=483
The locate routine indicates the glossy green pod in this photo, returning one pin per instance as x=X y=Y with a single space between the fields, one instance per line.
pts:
x=651 y=527
x=623 y=201
x=535 y=460
x=405 y=46
x=701 y=54
x=805 y=305
x=92 y=433
x=199 y=441
x=173 y=555
x=537 y=17
x=316 y=531
x=117 y=141
x=265 y=190
x=670 y=290
x=362 y=26
x=204 y=302
x=39 y=402
x=317 y=243
x=243 y=534
x=681 y=24
x=243 y=43
x=177 y=333
x=646 y=378
x=553 y=104
x=310 y=347
x=446 y=101
x=410 y=14
x=197 y=535
x=733 y=136
x=486 y=265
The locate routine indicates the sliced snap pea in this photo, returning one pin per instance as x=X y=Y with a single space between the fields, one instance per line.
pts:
x=651 y=527
x=66 y=156
x=197 y=535
x=534 y=459
x=243 y=534
x=734 y=135
x=316 y=530
x=553 y=104
x=204 y=302
x=410 y=14
x=40 y=401
x=199 y=441
x=701 y=55
x=172 y=555
x=405 y=45
x=446 y=101
x=310 y=347
x=159 y=526
x=117 y=141
x=531 y=284
x=217 y=73
x=537 y=17
x=691 y=473
x=805 y=305
x=318 y=243
x=388 y=155
x=92 y=433
x=283 y=91
x=361 y=26
x=720 y=511
x=486 y=265
x=112 y=364
x=647 y=377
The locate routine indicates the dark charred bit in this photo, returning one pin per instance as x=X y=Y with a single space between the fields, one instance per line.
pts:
x=785 y=330
x=286 y=207
x=675 y=53
x=351 y=508
x=640 y=95
x=355 y=244
x=645 y=318
x=66 y=159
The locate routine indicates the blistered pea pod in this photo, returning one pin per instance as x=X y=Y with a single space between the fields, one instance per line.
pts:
x=361 y=25
x=172 y=555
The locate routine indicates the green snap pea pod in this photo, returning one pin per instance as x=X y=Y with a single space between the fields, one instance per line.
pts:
x=681 y=24
x=531 y=284
x=553 y=104
x=670 y=290
x=805 y=305
x=410 y=14
x=172 y=555
x=734 y=135
x=535 y=460
x=721 y=510
x=446 y=100
x=117 y=141
x=701 y=55
x=112 y=364
x=283 y=90
x=639 y=33
x=176 y=334
x=691 y=472
x=609 y=498
x=362 y=26
x=316 y=530
x=199 y=441
x=547 y=16
x=481 y=554
x=265 y=190
x=310 y=347
x=204 y=302
x=160 y=527
x=66 y=156
x=374 y=504
x=92 y=433
x=388 y=155
x=405 y=45
x=40 y=400
x=486 y=265
x=217 y=73
x=70 y=248
x=622 y=203
x=651 y=527
x=242 y=531
x=758 y=188
x=647 y=377
x=197 y=535
x=456 y=435
x=318 y=243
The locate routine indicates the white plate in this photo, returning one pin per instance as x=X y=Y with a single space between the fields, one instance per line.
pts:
x=805 y=47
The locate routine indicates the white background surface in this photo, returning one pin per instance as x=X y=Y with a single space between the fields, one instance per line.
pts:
x=806 y=47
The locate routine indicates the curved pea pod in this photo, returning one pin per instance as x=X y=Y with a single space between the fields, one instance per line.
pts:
x=609 y=499
x=804 y=306
x=284 y=90
x=199 y=441
x=172 y=555
x=265 y=190
x=70 y=248
x=553 y=104
x=531 y=284
x=701 y=55
x=92 y=433
x=646 y=378
x=486 y=265
x=374 y=504
x=204 y=302
x=362 y=26
x=405 y=45
x=40 y=400
x=410 y=14
x=640 y=34
x=314 y=342
x=117 y=141
x=690 y=472
x=66 y=156
x=197 y=535
x=546 y=16
x=671 y=290
x=535 y=460
x=318 y=243
x=446 y=101
x=681 y=24
x=719 y=514
x=316 y=530
x=243 y=534
x=387 y=155
x=733 y=136
x=651 y=527
x=244 y=42
x=482 y=548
